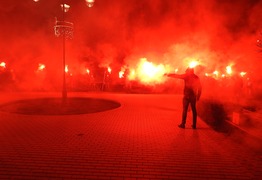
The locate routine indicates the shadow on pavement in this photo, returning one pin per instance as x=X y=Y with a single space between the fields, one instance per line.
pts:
x=58 y=106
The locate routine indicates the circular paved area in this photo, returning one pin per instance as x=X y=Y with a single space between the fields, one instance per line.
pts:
x=58 y=106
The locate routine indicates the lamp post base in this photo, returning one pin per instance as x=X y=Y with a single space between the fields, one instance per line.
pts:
x=64 y=96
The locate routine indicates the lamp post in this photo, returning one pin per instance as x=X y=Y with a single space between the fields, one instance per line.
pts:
x=65 y=29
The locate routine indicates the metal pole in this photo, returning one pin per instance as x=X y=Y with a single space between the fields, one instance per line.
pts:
x=64 y=91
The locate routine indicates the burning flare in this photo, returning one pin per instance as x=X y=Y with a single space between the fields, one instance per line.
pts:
x=90 y=3
x=66 y=69
x=3 y=64
x=193 y=64
x=242 y=74
x=216 y=72
x=121 y=73
x=229 y=70
x=109 y=70
x=148 y=73
x=41 y=67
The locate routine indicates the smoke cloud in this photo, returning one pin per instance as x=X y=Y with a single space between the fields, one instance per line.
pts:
x=117 y=33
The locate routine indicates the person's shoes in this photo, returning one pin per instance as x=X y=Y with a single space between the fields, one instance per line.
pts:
x=181 y=126
x=194 y=127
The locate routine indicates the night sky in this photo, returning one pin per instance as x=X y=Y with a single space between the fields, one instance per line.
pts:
x=119 y=32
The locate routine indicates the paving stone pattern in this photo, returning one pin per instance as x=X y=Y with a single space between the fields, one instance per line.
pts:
x=139 y=140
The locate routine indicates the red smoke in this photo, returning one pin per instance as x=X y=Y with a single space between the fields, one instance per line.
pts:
x=119 y=33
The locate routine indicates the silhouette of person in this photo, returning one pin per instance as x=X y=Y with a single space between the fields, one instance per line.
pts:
x=192 y=93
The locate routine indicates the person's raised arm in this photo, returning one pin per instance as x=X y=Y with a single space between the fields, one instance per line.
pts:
x=173 y=75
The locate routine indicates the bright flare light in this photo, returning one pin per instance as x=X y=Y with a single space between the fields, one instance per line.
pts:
x=147 y=72
x=121 y=74
x=90 y=3
x=242 y=74
x=132 y=75
x=3 y=64
x=229 y=70
x=87 y=71
x=216 y=73
x=66 y=68
x=41 y=67
x=193 y=64
x=109 y=70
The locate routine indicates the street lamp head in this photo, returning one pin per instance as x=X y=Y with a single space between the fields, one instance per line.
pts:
x=65 y=7
x=90 y=3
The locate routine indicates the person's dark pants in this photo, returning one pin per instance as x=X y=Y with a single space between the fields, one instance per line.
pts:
x=186 y=102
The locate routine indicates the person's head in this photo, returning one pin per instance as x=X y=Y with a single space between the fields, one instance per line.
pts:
x=190 y=70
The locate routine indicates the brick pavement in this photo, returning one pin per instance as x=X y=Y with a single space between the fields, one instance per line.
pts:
x=139 y=140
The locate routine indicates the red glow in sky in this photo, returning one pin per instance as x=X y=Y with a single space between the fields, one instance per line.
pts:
x=120 y=33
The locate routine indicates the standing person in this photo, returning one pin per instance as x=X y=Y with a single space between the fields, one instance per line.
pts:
x=192 y=93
